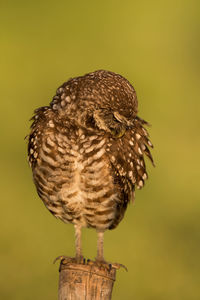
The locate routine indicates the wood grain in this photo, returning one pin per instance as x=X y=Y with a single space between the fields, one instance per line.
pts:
x=85 y=282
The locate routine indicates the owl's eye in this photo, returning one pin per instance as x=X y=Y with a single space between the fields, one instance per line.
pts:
x=115 y=119
x=118 y=131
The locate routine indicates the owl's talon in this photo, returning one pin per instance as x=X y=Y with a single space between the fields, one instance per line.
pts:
x=90 y=262
x=109 y=266
x=106 y=265
x=61 y=258
x=80 y=260
x=118 y=266
x=67 y=260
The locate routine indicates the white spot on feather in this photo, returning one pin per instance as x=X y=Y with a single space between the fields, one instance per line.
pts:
x=68 y=99
x=139 y=151
x=131 y=143
x=60 y=90
x=143 y=147
x=141 y=183
x=63 y=103
x=51 y=124
x=130 y=174
x=144 y=176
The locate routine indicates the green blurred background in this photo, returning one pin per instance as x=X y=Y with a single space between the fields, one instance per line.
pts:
x=156 y=46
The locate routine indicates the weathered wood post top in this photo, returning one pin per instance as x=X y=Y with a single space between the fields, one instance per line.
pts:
x=85 y=282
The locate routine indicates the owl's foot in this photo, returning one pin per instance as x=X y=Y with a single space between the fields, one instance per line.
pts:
x=102 y=264
x=67 y=260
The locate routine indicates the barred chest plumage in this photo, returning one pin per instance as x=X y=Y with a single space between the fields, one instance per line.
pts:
x=74 y=179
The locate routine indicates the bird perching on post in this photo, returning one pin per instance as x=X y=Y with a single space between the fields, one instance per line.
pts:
x=86 y=150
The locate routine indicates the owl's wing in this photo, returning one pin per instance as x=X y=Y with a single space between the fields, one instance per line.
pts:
x=128 y=143
x=126 y=154
x=41 y=122
x=129 y=151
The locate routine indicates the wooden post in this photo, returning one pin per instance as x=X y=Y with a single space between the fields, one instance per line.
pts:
x=85 y=282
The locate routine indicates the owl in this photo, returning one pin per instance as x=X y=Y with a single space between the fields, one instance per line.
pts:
x=86 y=151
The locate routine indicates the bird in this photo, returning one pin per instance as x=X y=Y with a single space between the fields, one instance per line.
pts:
x=86 y=150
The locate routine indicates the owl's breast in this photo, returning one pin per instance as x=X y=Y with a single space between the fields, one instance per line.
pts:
x=73 y=177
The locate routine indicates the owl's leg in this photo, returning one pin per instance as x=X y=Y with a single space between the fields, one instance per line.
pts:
x=100 y=237
x=100 y=261
x=79 y=259
x=79 y=256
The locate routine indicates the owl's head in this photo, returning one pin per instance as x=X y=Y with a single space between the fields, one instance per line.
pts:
x=109 y=90
x=101 y=98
